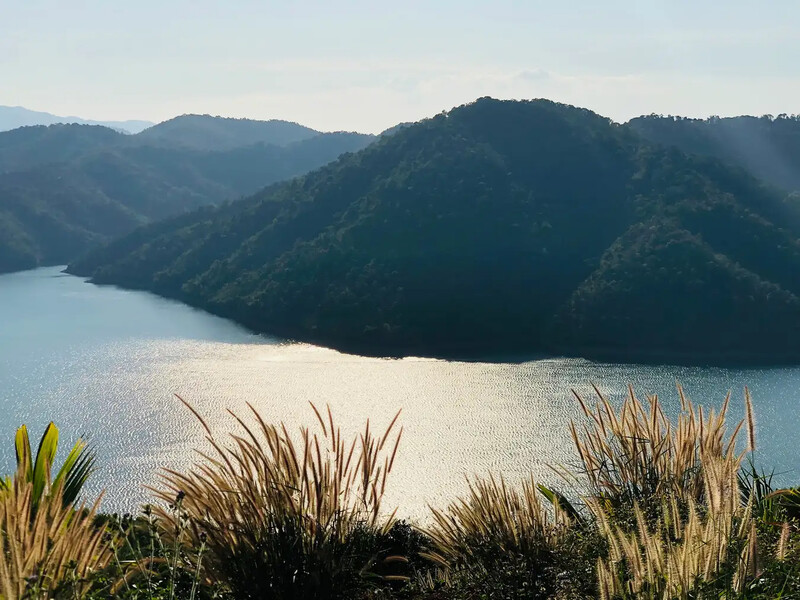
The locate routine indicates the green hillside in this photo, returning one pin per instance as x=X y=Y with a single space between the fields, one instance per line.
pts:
x=767 y=147
x=67 y=188
x=29 y=147
x=496 y=227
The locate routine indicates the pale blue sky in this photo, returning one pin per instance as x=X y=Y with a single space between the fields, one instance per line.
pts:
x=366 y=65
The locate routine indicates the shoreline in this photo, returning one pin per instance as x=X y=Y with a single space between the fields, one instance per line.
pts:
x=516 y=354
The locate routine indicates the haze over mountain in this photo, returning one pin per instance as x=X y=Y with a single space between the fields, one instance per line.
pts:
x=767 y=147
x=33 y=146
x=67 y=188
x=36 y=145
x=204 y=132
x=12 y=117
x=496 y=227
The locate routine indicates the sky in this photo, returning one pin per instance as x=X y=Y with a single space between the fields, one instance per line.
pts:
x=365 y=65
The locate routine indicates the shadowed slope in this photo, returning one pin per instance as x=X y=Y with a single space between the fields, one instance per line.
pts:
x=496 y=227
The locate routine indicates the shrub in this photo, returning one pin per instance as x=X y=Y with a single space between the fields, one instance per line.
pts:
x=636 y=454
x=51 y=552
x=681 y=517
x=496 y=516
x=500 y=542
x=147 y=566
x=282 y=519
x=37 y=470
x=672 y=556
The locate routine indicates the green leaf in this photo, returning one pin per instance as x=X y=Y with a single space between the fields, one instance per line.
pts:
x=788 y=500
x=22 y=445
x=560 y=500
x=44 y=461
x=75 y=471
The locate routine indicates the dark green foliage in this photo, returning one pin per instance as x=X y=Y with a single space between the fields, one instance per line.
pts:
x=566 y=573
x=280 y=570
x=497 y=227
x=767 y=147
x=147 y=566
x=67 y=188
x=663 y=288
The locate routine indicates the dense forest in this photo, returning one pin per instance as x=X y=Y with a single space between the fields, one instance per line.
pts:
x=65 y=189
x=496 y=227
x=768 y=147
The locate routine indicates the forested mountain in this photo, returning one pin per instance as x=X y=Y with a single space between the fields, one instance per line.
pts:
x=12 y=117
x=67 y=188
x=29 y=147
x=204 y=132
x=497 y=227
x=767 y=147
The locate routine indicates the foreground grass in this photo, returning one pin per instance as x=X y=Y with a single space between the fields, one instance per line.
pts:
x=665 y=509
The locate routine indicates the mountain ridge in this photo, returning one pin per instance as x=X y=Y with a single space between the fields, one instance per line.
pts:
x=206 y=132
x=498 y=226
x=767 y=147
x=13 y=117
x=66 y=188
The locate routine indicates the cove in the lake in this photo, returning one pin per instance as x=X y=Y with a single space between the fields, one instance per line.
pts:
x=106 y=362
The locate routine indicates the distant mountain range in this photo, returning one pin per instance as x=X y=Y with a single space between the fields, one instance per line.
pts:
x=502 y=227
x=65 y=189
x=12 y=117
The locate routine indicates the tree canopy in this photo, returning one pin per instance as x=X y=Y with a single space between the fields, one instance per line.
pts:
x=496 y=227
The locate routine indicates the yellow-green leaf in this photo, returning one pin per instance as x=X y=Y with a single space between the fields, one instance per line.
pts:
x=44 y=461
x=23 y=447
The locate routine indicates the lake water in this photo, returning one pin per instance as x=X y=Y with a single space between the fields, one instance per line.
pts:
x=105 y=362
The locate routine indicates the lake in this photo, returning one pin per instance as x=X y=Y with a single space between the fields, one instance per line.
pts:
x=106 y=362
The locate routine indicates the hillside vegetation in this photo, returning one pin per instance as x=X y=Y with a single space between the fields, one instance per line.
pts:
x=767 y=147
x=497 y=227
x=65 y=189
